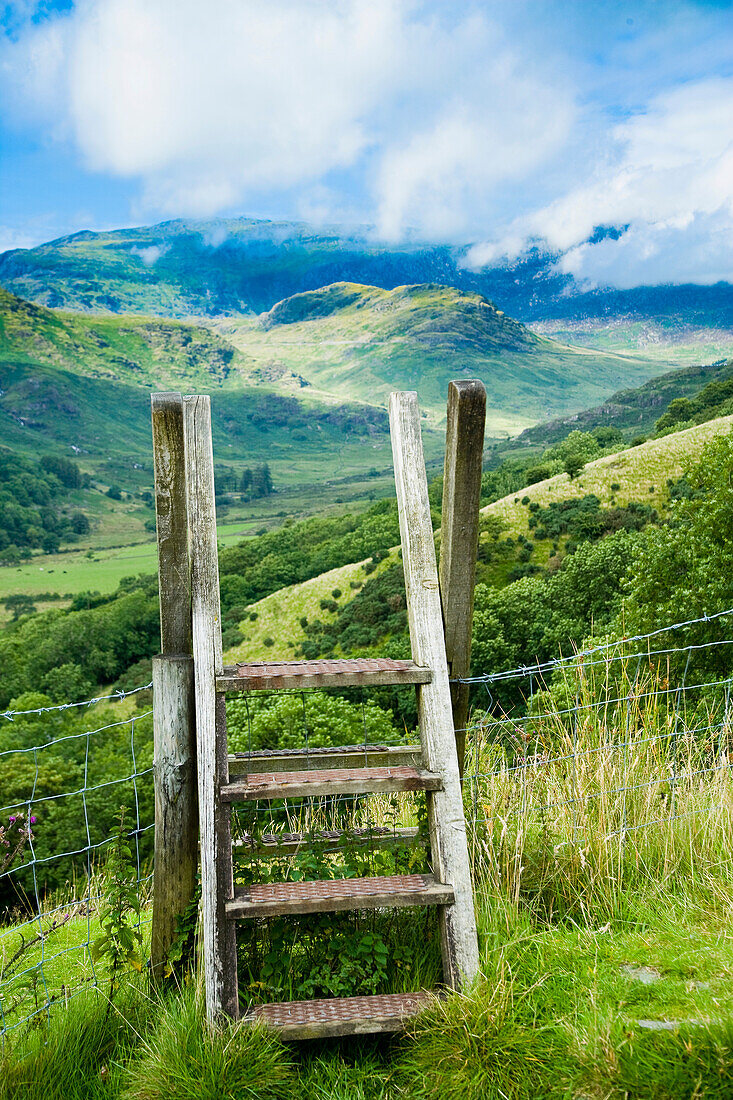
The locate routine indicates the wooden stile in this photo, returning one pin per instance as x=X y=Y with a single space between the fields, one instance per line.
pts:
x=445 y=808
x=346 y=771
x=219 y=935
x=174 y=730
x=464 y=448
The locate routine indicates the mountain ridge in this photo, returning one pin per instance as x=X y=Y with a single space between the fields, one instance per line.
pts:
x=245 y=265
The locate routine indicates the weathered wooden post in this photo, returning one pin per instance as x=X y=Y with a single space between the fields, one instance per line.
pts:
x=445 y=807
x=174 y=726
x=219 y=933
x=464 y=447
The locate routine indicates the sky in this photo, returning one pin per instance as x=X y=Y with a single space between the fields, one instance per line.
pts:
x=493 y=124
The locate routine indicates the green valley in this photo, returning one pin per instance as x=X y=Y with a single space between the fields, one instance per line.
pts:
x=362 y=341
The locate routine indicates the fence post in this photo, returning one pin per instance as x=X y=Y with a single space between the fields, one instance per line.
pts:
x=219 y=933
x=464 y=448
x=445 y=807
x=174 y=723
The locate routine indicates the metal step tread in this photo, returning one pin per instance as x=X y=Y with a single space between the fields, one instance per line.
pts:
x=294 y=675
x=334 y=1016
x=275 y=899
x=330 y=781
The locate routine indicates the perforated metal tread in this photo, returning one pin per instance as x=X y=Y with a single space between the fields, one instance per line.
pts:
x=322 y=1019
x=333 y=895
x=327 y=673
x=329 y=781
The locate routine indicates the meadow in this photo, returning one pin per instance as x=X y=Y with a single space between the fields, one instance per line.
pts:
x=604 y=905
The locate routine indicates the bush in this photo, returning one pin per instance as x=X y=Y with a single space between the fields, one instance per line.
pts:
x=291 y=721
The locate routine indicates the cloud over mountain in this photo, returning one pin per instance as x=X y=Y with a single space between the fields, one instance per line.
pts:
x=461 y=121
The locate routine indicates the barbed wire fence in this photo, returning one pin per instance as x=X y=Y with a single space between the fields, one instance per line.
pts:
x=65 y=772
x=581 y=769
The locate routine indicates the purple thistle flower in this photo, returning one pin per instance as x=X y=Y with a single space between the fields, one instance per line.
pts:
x=33 y=820
x=12 y=819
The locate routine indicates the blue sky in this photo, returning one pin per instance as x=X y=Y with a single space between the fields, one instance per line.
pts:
x=491 y=123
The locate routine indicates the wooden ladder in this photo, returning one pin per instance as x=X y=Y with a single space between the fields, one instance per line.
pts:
x=432 y=767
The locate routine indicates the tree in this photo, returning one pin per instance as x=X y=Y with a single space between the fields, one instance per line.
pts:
x=20 y=605
x=684 y=570
x=573 y=464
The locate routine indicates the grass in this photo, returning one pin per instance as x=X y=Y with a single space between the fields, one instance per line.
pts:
x=640 y=472
x=279 y=615
x=555 y=1014
x=604 y=905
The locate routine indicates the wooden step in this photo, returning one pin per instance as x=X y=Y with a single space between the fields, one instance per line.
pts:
x=289 y=843
x=331 y=781
x=322 y=1019
x=333 y=895
x=333 y=756
x=299 y=675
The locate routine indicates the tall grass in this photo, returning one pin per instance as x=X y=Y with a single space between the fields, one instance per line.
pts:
x=614 y=785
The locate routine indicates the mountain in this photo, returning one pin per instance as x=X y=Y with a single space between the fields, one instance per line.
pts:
x=243 y=265
x=80 y=385
x=362 y=342
x=633 y=411
x=340 y=344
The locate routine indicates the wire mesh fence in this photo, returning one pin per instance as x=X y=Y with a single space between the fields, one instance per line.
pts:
x=66 y=772
x=600 y=772
x=605 y=771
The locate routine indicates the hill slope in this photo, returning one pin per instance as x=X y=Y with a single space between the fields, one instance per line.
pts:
x=225 y=266
x=633 y=411
x=363 y=341
x=80 y=385
x=636 y=471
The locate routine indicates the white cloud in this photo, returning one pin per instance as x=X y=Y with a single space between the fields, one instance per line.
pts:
x=670 y=251
x=668 y=176
x=211 y=104
x=149 y=255
x=458 y=119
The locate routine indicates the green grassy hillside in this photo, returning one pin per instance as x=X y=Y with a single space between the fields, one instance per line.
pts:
x=633 y=411
x=362 y=341
x=157 y=353
x=80 y=386
x=640 y=474
x=637 y=474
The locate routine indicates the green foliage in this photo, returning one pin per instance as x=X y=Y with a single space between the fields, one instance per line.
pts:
x=57 y=772
x=288 y=721
x=684 y=569
x=259 y=566
x=93 y=642
x=32 y=496
x=20 y=605
x=335 y=954
x=573 y=465
x=536 y=617
x=583 y=518
x=376 y=613
x=67 y=472
x=119 y=944
x=715 y=399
